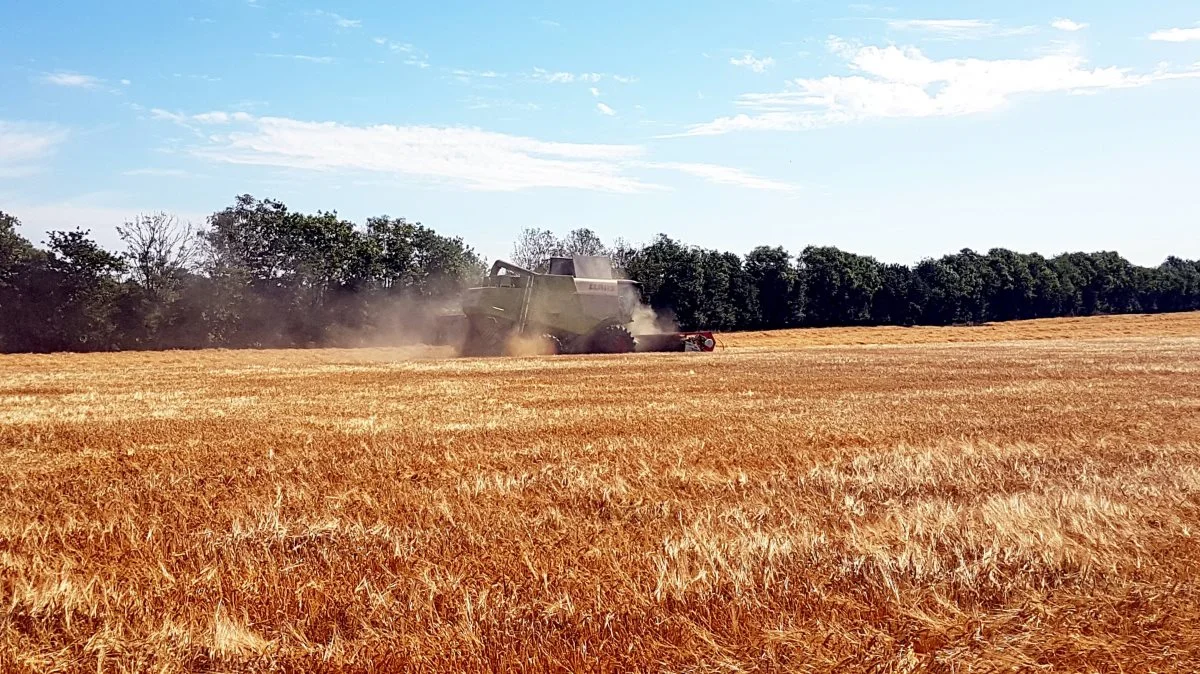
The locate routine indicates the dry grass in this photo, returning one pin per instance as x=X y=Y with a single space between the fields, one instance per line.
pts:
x=1005 y=506
x=1134 y=325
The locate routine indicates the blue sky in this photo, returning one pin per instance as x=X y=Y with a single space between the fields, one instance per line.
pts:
x=901 y=131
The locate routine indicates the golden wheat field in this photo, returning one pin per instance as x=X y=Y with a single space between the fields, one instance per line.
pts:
x=1022 y=497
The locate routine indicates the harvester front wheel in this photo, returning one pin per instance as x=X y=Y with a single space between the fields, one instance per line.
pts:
x=612 y=339
x=485 y=337
x=552 y=345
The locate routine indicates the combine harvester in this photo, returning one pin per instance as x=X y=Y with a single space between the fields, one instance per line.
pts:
x=575 y=307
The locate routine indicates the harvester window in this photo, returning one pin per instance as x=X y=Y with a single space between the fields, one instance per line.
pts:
x=562 y=266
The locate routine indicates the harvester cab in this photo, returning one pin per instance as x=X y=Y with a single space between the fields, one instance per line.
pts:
x=575 y=306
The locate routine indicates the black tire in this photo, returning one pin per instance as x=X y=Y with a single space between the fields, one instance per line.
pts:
x=486 y=336
x=612 y=339
x=553 y=344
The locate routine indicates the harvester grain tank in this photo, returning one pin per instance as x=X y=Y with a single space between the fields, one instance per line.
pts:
x=576 y=306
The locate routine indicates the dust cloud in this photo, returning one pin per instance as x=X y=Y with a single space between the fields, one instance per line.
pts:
x=647 y=321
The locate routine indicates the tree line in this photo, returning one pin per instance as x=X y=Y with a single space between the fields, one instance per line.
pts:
x=822 y=286
x=260 y=275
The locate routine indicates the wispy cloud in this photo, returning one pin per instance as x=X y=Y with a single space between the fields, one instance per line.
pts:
x=543 y=75
x=338 y=20
x=549 y=23
x=866 y=7
x=299 y=57
x=469 y=158
x=958 y=29
x=605 y=110
x=157 y=172
x=595 y=92
x=215 y=117
x=561 y=77
x=481 y=103
x=724 y=175
x=1068 y=25
x=467 y=76
x=1176 y=35
x=756 y=64
x=891 y=82
x=413 y=55
x=197 y=76
x=72 y=79
x=24 y=146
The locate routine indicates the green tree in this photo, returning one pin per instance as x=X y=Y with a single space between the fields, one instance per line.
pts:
x=776 y=287
x=1009 y=289
x=672 y=278
x=839 y=287
x=83 y=293
x=160 y=253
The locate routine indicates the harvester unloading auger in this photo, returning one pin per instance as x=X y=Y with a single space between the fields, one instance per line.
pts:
x=575 y=307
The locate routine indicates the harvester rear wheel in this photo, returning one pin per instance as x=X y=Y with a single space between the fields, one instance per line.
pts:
x=612 y=339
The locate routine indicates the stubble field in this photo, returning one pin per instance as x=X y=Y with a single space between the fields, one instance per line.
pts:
x=1022 y=497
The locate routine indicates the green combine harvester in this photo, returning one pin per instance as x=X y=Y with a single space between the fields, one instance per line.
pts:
x=575 y=307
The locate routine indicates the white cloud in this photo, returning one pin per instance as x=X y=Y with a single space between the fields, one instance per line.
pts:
x=958 y=29
x=158 y=172
x=863 y=7
x=338 y=20
x=469 y=74
x=549 y=23
x=126 y=83
x=198 y=76
x=70 y=79
x=553 y=78
x=605 y=110
x=895 y=82
x=415 y=56
x=1176 y=35
x=560 y=77
x=724 y=175
x=193 y=122
x=219 y=117
x=299 y=57
x=1068 y=25
x=595 y=92
x=467 y=157
x=472 y=158
x=757 y=65
x=24 y=146
x=481 y=103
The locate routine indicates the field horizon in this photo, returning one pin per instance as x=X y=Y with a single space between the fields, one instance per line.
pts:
x=1013 y=496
